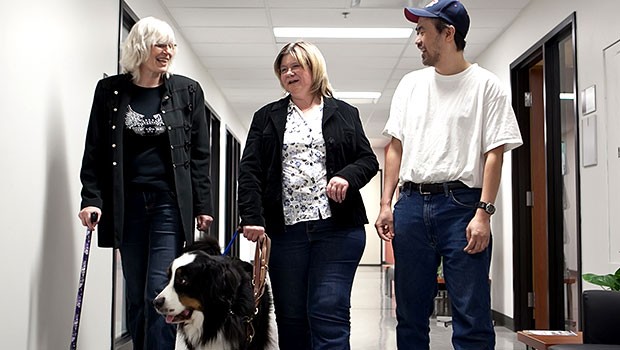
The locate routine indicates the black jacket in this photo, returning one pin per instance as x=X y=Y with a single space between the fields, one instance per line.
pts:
x=348 y=155
x=183 y=112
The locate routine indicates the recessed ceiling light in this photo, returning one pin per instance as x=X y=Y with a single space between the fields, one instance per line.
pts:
x=342 y=33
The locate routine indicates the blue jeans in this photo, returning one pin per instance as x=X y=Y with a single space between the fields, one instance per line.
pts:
x=427 y=228
x=312 y=266
x=152 y=239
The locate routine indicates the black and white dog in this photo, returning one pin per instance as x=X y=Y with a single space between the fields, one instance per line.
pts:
x=211 y=299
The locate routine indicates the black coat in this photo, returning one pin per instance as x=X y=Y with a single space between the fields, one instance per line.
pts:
x=183 y=112
x=348 y=155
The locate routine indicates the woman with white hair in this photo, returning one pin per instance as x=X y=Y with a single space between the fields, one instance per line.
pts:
x=145 y=171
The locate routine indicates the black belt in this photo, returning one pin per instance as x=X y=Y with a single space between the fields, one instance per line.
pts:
x=432 y=188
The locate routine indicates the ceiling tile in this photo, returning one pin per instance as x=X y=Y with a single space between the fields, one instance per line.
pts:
x=214 y=3
x=216 y=17
x=499 y=4
x=227 y=35
x=306 y=4
x=373 y=18
x=242 y=73
x=228 y=49
x=234 y=62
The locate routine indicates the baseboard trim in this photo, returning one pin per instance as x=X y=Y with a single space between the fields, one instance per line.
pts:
x=503 y=320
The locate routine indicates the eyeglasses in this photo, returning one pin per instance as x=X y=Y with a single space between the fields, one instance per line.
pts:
x=168 y=46
x=294 y=68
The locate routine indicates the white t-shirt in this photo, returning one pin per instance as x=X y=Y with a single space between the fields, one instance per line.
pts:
x=446 y=123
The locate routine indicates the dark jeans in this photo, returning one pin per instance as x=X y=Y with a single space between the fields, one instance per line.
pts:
x=311 y=268
x=152 y=239
x=428 y=227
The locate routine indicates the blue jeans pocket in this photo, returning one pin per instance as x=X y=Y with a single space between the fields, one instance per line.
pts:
x=466 y=198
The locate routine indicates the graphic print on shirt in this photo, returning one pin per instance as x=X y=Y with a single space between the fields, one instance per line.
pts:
x=143 y=125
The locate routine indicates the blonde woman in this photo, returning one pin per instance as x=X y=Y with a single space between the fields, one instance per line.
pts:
x=305 y=159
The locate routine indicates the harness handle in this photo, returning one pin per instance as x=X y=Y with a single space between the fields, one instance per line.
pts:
x=261 y=267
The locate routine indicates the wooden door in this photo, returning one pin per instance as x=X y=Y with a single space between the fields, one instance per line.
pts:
x=538 y=179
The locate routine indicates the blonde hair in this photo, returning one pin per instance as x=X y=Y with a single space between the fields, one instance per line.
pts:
x=137 y=47
x=309 y=57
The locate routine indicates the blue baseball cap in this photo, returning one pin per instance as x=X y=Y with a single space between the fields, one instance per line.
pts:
x=451 y=11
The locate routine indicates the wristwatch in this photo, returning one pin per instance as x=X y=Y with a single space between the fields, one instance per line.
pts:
x=489 y=208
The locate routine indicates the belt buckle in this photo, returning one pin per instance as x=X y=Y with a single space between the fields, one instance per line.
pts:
x=423 y=193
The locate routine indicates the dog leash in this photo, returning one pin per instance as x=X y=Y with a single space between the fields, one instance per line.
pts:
x=261 y=267
x=259 y=276
x=227 y=249
x=80 y=293
x=261 y=264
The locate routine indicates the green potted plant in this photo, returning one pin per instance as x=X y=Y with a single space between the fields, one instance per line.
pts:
x=609 y=281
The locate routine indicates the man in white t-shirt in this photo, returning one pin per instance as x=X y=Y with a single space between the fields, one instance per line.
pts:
x=450 y=125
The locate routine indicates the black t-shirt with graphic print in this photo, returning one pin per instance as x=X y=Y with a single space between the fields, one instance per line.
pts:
x=147 y=154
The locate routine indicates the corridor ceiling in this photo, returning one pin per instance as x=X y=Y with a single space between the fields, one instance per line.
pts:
x=234 y=40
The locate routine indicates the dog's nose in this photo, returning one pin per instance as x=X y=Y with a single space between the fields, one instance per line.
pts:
x=159 y=302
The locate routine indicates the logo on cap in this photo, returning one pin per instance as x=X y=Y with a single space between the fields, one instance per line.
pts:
x=432 y=3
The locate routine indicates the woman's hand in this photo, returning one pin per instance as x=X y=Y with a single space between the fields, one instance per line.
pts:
x=85 y=215
x=337 y=189
x=203 y=222
x=253 y=233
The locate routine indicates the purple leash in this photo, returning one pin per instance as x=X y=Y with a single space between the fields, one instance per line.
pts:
x=80 y=293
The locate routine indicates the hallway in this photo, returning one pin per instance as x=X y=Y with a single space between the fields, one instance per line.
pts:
x=373 y=320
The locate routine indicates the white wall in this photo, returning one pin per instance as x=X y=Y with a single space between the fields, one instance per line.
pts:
x=54 y=52
x=597 y=28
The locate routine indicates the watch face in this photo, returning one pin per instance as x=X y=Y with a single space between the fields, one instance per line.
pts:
x=490 y=209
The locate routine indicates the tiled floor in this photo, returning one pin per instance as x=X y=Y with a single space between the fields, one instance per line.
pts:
x=373 y=320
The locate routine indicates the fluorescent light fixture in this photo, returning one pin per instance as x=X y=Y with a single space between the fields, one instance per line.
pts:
x=567 y=96
x=342 y=33
x=358 y=97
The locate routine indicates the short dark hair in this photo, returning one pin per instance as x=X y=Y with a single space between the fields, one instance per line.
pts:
x=459 y=39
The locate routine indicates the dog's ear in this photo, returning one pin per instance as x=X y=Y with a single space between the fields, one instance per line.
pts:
x=243 y=294
x=218 y=277
x=230 y=280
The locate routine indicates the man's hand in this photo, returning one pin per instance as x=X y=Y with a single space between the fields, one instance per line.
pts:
x=478 y=233
x=385 y=223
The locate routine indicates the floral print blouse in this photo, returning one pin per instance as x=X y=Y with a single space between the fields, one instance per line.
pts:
x=304 y=175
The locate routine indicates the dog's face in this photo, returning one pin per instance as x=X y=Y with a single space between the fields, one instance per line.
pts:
x=210 y=297
x=198 y=283
x=178 y=301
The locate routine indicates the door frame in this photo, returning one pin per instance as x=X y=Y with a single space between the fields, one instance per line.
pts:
x=546 y=50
